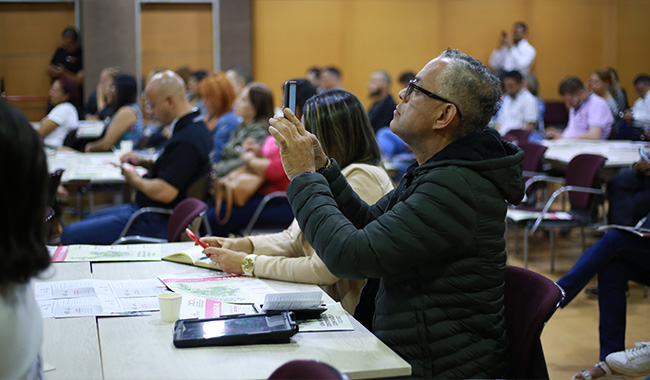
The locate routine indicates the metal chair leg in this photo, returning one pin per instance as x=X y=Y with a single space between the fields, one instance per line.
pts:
x=552 y=243
x=526 y=247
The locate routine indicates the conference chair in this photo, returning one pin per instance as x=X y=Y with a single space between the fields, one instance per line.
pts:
x=517 y=136
x=188 y=213
x=529 y=302
x=252 y=226
x=53 y=182
x=582 y=183
x=556 y=115
x=532 y=166
x=307 y=370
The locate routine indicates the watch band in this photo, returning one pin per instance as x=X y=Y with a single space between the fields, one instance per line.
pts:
x=327 y=165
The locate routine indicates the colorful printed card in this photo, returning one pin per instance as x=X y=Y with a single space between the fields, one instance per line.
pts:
x=99 y=253
x=223 y=288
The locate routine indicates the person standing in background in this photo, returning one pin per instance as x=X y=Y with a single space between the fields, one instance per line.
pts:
x=67 y=61
x=514 y=53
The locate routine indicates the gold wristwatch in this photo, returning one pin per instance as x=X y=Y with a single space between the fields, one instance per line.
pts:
x=248 y=265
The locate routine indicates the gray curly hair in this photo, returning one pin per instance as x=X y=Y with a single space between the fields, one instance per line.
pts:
x=473 y=87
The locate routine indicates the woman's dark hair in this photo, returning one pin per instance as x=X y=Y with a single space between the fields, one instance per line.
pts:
x=261 y=98
x=126 y=90
x=199 y=75
x=341 y=124
x=22 y=245
x=70 y=32
x=604 y=76
x=71 y=89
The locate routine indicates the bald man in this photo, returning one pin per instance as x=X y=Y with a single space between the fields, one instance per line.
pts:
x=184 y=160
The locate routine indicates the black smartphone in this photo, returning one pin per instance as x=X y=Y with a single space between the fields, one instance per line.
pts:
x=235 y=330
x=290 y=95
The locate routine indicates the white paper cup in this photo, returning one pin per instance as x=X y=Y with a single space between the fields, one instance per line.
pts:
x=126 y=146
x=170 y=306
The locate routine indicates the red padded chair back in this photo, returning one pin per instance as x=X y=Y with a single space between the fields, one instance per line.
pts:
x=184 y=213
x=533 y=156
x=517 y=136
x=530 y=300
x=307 y=370
x=584 y=170
x=555 y=114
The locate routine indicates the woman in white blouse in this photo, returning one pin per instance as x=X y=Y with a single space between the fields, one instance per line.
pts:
x=64 y=116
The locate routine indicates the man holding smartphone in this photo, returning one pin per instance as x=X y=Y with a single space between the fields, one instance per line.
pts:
x=436 y=243
x=514 y=53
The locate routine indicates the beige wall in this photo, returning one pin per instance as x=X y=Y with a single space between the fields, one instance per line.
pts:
x=572 y=37
x=175 y=35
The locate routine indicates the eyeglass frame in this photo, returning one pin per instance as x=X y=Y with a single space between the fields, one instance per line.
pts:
x=412 y=86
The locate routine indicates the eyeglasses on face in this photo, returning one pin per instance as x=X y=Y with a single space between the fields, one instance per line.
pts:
x=412 y=86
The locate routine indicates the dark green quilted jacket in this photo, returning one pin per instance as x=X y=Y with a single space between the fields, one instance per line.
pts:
x=437 y=245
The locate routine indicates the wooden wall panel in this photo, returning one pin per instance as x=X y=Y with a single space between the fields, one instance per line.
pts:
x=289 y=37
x=175 y=35
x=30 y=33
x=389 y=37
x=572 y=37
x=569 y=41
x=633 y=49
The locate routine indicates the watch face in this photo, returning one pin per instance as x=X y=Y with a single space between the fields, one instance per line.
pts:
x=247 y=264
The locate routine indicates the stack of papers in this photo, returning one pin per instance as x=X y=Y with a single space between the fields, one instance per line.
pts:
x=79 y=298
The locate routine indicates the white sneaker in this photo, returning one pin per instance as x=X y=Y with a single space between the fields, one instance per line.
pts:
x=632 y=362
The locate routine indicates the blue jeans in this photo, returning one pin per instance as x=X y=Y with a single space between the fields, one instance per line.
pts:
x=104 y=227
x=276 y=213
x=617 y=257
x=628 y=194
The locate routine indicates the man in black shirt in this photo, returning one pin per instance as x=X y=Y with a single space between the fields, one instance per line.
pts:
x=67 y=58
x=381 y=112
x=184 y=161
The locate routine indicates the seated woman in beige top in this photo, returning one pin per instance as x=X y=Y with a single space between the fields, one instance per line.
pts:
x=341 y=124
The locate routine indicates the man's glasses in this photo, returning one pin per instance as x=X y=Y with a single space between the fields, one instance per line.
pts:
x=412 y=86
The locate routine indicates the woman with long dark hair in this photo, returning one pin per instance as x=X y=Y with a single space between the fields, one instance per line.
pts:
x=341 y=124
x=126 y=122
x=23 y=254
